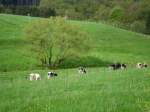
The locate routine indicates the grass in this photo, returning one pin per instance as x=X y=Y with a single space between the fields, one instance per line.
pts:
x=108 y=44
x=101 y=90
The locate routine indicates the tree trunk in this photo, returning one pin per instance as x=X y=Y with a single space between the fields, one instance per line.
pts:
x=49 y=61
x=42 y=61
x=50 y=57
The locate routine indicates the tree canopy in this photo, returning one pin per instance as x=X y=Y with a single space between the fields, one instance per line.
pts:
x=55 y=39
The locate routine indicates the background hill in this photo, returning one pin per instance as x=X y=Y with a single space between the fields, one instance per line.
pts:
x=110 y=45
x=128 y=14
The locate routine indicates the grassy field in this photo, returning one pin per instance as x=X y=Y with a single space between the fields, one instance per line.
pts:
x=100 y=90
x=108 y=44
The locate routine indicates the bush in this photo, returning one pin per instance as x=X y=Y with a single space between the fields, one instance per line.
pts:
x=148 y=24
x=1 y=8
x=138 y=26
x=102 y=13
x=8 y=11
x=46 y=12
x=116 y=14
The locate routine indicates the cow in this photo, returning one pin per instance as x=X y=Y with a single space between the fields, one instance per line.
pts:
x=34 y=76
x=123 y=66
x=141 y=65
x=51 y=74
x=145 y=65
x=117 y=66
x=82 y=70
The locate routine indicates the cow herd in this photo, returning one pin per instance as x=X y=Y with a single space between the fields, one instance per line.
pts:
x=82 y=70
x=37 y=76
x=116 y=66
x=141 y=65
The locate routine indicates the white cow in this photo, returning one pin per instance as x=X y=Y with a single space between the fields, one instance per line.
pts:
x=139 y=65
x=34 y=76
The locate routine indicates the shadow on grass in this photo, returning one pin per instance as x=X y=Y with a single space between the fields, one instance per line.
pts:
x=12 y=42
x=69 y=63
x=84 y=61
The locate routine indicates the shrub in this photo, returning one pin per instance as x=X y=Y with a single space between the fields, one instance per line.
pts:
x=138 y=26
x=116 y=14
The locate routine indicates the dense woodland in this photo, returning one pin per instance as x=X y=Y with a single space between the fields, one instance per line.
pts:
x=128 y=14
x=19 y=2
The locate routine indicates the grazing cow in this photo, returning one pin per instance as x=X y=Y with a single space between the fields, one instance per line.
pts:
x=123 y=66
x=51 y=74
x=34 y=76
x=141 y=65
x=115 y=66
x=145 y=65
x=82 y=70
x=118 y=66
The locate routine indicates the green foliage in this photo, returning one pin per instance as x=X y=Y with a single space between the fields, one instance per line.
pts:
x=25 y=10
x=122 y=12
x=138 y=26
x=116 y=14
x=102 y=13
x=148 y=24
x=55 y=39
x=1 y=8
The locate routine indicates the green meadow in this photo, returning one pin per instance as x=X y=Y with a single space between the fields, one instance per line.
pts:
x=100 y=90
x=108 y=45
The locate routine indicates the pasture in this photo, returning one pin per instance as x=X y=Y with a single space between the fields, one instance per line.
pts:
x=108 y=45
x=100 y=90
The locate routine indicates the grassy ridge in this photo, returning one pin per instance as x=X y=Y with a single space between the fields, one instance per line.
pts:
x=108 y=45
x=101 y=90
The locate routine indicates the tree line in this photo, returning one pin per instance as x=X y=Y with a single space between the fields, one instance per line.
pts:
x=129 y=14
x=19 y=2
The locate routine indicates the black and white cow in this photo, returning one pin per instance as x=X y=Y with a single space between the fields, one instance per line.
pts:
x=123 y=66
x=117 y=66
x=51 y=74
x=82 y=70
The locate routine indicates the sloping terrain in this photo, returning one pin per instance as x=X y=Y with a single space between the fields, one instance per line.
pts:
x=100 y=90
x=108 y=44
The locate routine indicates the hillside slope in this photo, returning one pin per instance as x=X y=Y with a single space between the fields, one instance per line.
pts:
x=109 y=44
x=100 y=90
